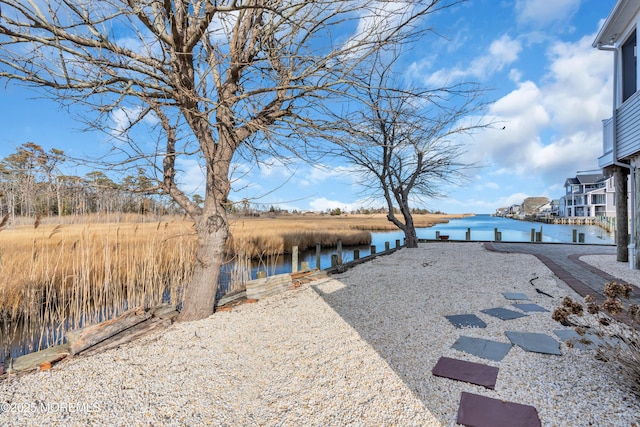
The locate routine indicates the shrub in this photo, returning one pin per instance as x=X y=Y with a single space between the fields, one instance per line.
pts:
x=619 y=341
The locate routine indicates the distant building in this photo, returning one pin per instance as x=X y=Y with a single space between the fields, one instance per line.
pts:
x=588 y=195
x=531 y=206
x=548 y=210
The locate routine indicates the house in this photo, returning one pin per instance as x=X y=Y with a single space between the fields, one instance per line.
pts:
x=548 y=210
x=621 y=133
x=588 y=195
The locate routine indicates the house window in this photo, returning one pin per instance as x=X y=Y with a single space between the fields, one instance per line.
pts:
x=629 y=67
x=598 y=199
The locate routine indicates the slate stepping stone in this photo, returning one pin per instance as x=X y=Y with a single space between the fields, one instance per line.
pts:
x=515 y=296
x=480 y=411
x=486 y=349
x=577 y=341
x=461 y=370
x=466 y=321
x=534 y=342
x=503 y=313
x=529 y=307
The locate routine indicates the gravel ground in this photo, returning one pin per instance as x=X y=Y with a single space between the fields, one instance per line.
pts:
x=355 y=349
x=608 y=264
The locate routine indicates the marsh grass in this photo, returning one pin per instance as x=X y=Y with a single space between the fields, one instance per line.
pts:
x=55 y=278
x=62 y=275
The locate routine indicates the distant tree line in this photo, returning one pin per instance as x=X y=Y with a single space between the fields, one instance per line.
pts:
x=31 y=184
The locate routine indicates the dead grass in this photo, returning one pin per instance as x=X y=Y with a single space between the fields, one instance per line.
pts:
x=82 y=271
x=281 y=232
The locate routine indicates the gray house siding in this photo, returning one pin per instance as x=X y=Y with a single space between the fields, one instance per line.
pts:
x=628 y=127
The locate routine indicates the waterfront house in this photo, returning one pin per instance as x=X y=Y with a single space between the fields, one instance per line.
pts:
x=621 y=133
x=588 y=195
x=548 y=210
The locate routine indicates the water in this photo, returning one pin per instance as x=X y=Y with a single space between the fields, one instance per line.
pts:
x=482 y=229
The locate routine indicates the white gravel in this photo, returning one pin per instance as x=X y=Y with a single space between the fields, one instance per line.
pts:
x=353 y=350
x=609 y=264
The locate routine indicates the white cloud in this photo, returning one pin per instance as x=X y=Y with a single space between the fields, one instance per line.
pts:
x=501 y=53
x=487 y=186
x=540 y=13
x=322 y=204
x=552 y=128
x=317 y=174
x=376 y=20
x=123 y=118
x=190 y=176
x=579 y=86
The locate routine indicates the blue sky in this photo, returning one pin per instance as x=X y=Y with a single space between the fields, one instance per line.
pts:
x=550 y=89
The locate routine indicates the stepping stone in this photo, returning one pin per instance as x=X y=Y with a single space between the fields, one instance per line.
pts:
x=515 y=296
x=534 y=342
x=576 y=340
x=466 y=321
x=486 y=349
x=529 y=307
x=461 y=370
x=503 y=313
x=480 y=411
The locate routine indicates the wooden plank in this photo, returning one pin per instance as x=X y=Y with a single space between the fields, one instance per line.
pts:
x=260 y=288
x=128 y=335
x=158 y=309
x=34 y=360
x=88 y=337
x=231 y=297
x=301 y=274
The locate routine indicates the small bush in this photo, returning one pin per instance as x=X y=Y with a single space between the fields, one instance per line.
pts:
x=620 y=342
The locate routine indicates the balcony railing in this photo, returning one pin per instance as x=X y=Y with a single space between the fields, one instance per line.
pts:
x=607 y=135
x=607 y=143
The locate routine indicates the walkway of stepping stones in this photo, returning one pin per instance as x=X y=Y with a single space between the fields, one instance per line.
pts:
x=481 y=411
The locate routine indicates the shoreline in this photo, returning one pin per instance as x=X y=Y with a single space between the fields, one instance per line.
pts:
x=356 y=348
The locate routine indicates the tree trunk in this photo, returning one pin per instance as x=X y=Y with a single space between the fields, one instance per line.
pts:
x=622 y=216
x=410 y=235
x=199 y=295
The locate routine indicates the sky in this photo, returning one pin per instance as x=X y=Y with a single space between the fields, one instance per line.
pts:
x=547 y=87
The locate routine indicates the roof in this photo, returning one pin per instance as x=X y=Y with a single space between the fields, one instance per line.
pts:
x=619 y=19
x=585 y=179
x=589 y=179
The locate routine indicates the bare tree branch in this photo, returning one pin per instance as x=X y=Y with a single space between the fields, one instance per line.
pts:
x=230 y=77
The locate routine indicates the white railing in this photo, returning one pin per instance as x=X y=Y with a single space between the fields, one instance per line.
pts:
x=607 y=143
x=607 y=135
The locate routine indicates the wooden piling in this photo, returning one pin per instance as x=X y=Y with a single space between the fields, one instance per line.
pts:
x=318 y=252
x=334 y=260
x=294 y=259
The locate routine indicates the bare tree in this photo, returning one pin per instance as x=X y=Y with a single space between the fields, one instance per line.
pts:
x=215 y=80
x=403 y=142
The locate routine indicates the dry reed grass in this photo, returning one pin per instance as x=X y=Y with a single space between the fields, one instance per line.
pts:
x=81 y=271
x=278 y=233
x=70 y=276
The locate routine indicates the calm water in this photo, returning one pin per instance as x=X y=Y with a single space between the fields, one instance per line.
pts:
x=482 y=229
